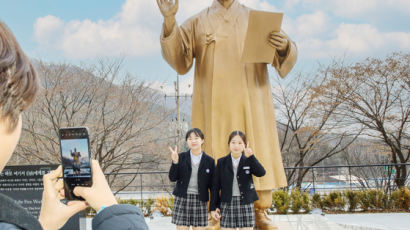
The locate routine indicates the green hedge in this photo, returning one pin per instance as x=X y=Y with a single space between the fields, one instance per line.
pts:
x=294 y=201
x=400 y=199
x=281 y=201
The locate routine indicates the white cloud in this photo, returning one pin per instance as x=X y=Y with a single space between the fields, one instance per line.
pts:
x=45 y=26
x=306 y=31
x=353 y=8
x=324 y=33
x=134 y=31
x=307 y=25
x=401 y=4
x=259 y=5
x=131 y=32
x=312 y=48
x=87 y=39
x=291 y=3
x=402 y=39
x=186 y=85
x=354 y=39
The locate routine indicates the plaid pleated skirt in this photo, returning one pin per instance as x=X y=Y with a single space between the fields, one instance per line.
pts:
x=237 y=215
x=190 y=211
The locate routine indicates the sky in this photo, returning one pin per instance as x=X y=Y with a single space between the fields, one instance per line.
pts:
x=80 y=32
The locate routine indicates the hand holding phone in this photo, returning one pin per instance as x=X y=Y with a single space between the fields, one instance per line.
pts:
x=75 y=159
x=54 y=214
x=99 y=194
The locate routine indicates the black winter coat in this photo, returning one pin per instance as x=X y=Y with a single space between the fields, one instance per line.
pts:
x=15 y=217
x=119 y=217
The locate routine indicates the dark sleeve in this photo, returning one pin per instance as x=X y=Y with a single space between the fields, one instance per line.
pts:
x=212 y=162
x=7 y=226
x=119 y=217
x=216 y=186
x=173 y=171
x=256 y=167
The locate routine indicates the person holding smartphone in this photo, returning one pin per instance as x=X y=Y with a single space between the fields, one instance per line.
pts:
x=192 y=171
x=19 y=85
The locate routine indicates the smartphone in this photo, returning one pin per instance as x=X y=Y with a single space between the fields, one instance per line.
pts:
x=75 y=159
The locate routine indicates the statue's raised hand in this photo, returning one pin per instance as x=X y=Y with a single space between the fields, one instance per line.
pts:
x=168 y=8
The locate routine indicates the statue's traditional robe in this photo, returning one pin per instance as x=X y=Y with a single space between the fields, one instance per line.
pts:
x=228 y=94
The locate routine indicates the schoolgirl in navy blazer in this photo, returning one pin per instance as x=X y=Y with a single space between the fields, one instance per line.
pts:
x=181 y=173
x=223 y=180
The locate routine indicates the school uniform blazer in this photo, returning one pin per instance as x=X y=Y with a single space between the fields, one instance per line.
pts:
x=223 y=180
x=181 y=173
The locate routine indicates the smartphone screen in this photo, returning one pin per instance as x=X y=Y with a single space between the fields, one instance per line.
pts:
x=76 y=159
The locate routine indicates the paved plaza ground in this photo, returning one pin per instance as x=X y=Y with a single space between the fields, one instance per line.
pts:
x=377 y=221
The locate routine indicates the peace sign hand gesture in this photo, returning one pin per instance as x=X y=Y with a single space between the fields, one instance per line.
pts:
x=248 y=151
x=174 y=155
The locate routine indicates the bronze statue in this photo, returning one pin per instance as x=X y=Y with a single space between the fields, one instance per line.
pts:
x=229 y=94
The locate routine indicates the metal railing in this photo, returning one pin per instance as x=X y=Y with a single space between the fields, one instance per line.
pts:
x=340 y=177
x=319 y=179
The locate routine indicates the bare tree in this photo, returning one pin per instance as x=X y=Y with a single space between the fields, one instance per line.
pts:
x=125 y=121
x=310 y=128
x=369 y=152
x=376 y=96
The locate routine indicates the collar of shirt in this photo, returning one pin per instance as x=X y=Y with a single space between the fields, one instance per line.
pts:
x=235 y=162
x=195 y=159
